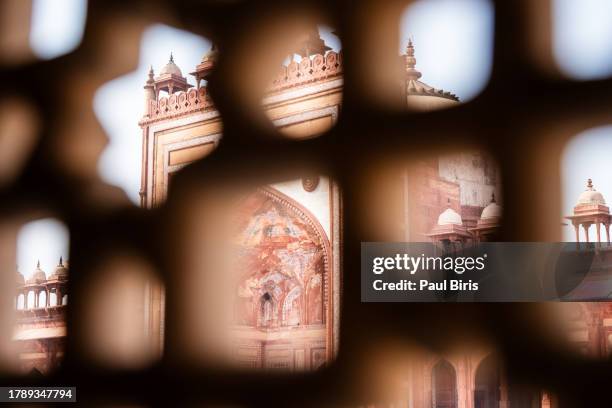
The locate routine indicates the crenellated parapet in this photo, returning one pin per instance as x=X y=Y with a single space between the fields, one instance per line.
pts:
x=310 y=69
x=178 y=104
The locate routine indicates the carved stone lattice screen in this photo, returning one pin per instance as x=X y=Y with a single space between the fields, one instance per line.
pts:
x=524 y=117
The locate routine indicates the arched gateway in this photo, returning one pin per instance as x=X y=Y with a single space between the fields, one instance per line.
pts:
x=282 y=302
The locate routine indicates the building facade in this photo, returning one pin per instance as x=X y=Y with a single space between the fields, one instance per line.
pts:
x=286 y=303
x=40 y=324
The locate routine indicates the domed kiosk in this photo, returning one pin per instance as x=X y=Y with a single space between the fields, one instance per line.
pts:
x=449 y=228
x=171 y=79
x=38 y=276
x=205 y=67
x=60 y=273
x=487 y=227
x=591 y=209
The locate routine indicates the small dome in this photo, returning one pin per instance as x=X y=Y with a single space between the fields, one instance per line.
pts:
x=38 y=276
x=492 y=210
x=448 y=217
x=210 y=55
x=591 y=196
x=171 y=68
x=61 y=271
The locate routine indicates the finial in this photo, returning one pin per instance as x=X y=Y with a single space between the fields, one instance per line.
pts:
x=38 y=264
x=61 y=262
x=590 y=184
x=413 y=74
x=171 y=57
x=448 y=201
x=493 y=197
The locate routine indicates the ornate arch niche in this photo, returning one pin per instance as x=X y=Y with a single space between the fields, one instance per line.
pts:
x=285 y=266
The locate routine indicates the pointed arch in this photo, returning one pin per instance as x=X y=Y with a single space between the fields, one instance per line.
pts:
x=444 y=385
x=487 y=383
x=305 y=221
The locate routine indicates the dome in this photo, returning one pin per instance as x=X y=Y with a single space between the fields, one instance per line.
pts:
x=591 y=196
x=171 y=68
x=38 y=276
x=492 y=210
x=448 y=217
x=61 y=271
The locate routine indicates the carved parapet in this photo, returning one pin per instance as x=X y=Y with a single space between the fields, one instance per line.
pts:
x=308 y=70
x=179 y=104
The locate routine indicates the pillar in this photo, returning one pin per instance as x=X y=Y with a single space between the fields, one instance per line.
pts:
x=597 y=228
x=577 y=229
x=607 y=226
x=36 y=293
x=504 y=401
x=545 y=403
x=586 y=231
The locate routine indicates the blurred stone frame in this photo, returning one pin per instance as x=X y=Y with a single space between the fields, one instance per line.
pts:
x=205 y=129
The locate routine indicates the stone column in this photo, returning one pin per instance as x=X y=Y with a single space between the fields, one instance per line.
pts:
x=597 y=228
x=545 y=403
x=607 y=225
x=504 y=400
x=577 y=229
x=586 y=231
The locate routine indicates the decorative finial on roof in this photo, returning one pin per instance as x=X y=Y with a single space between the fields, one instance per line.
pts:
x=590 y=184
x=38 y=264
x=171 y=57
x=448 y=201
x=410 y=49
x=151 y=78
x=413 y=74
x=61 y=262
x=493 y=197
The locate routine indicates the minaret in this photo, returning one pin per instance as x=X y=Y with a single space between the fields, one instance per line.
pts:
x=412 y=73
x=419 y=95
x=149 y=94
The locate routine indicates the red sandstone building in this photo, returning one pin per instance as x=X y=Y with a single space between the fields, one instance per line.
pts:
x=40 y=328
x=285 y=312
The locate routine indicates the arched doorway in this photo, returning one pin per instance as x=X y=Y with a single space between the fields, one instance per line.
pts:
x=282 y=298
x=444 y=385
x=487 y=383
